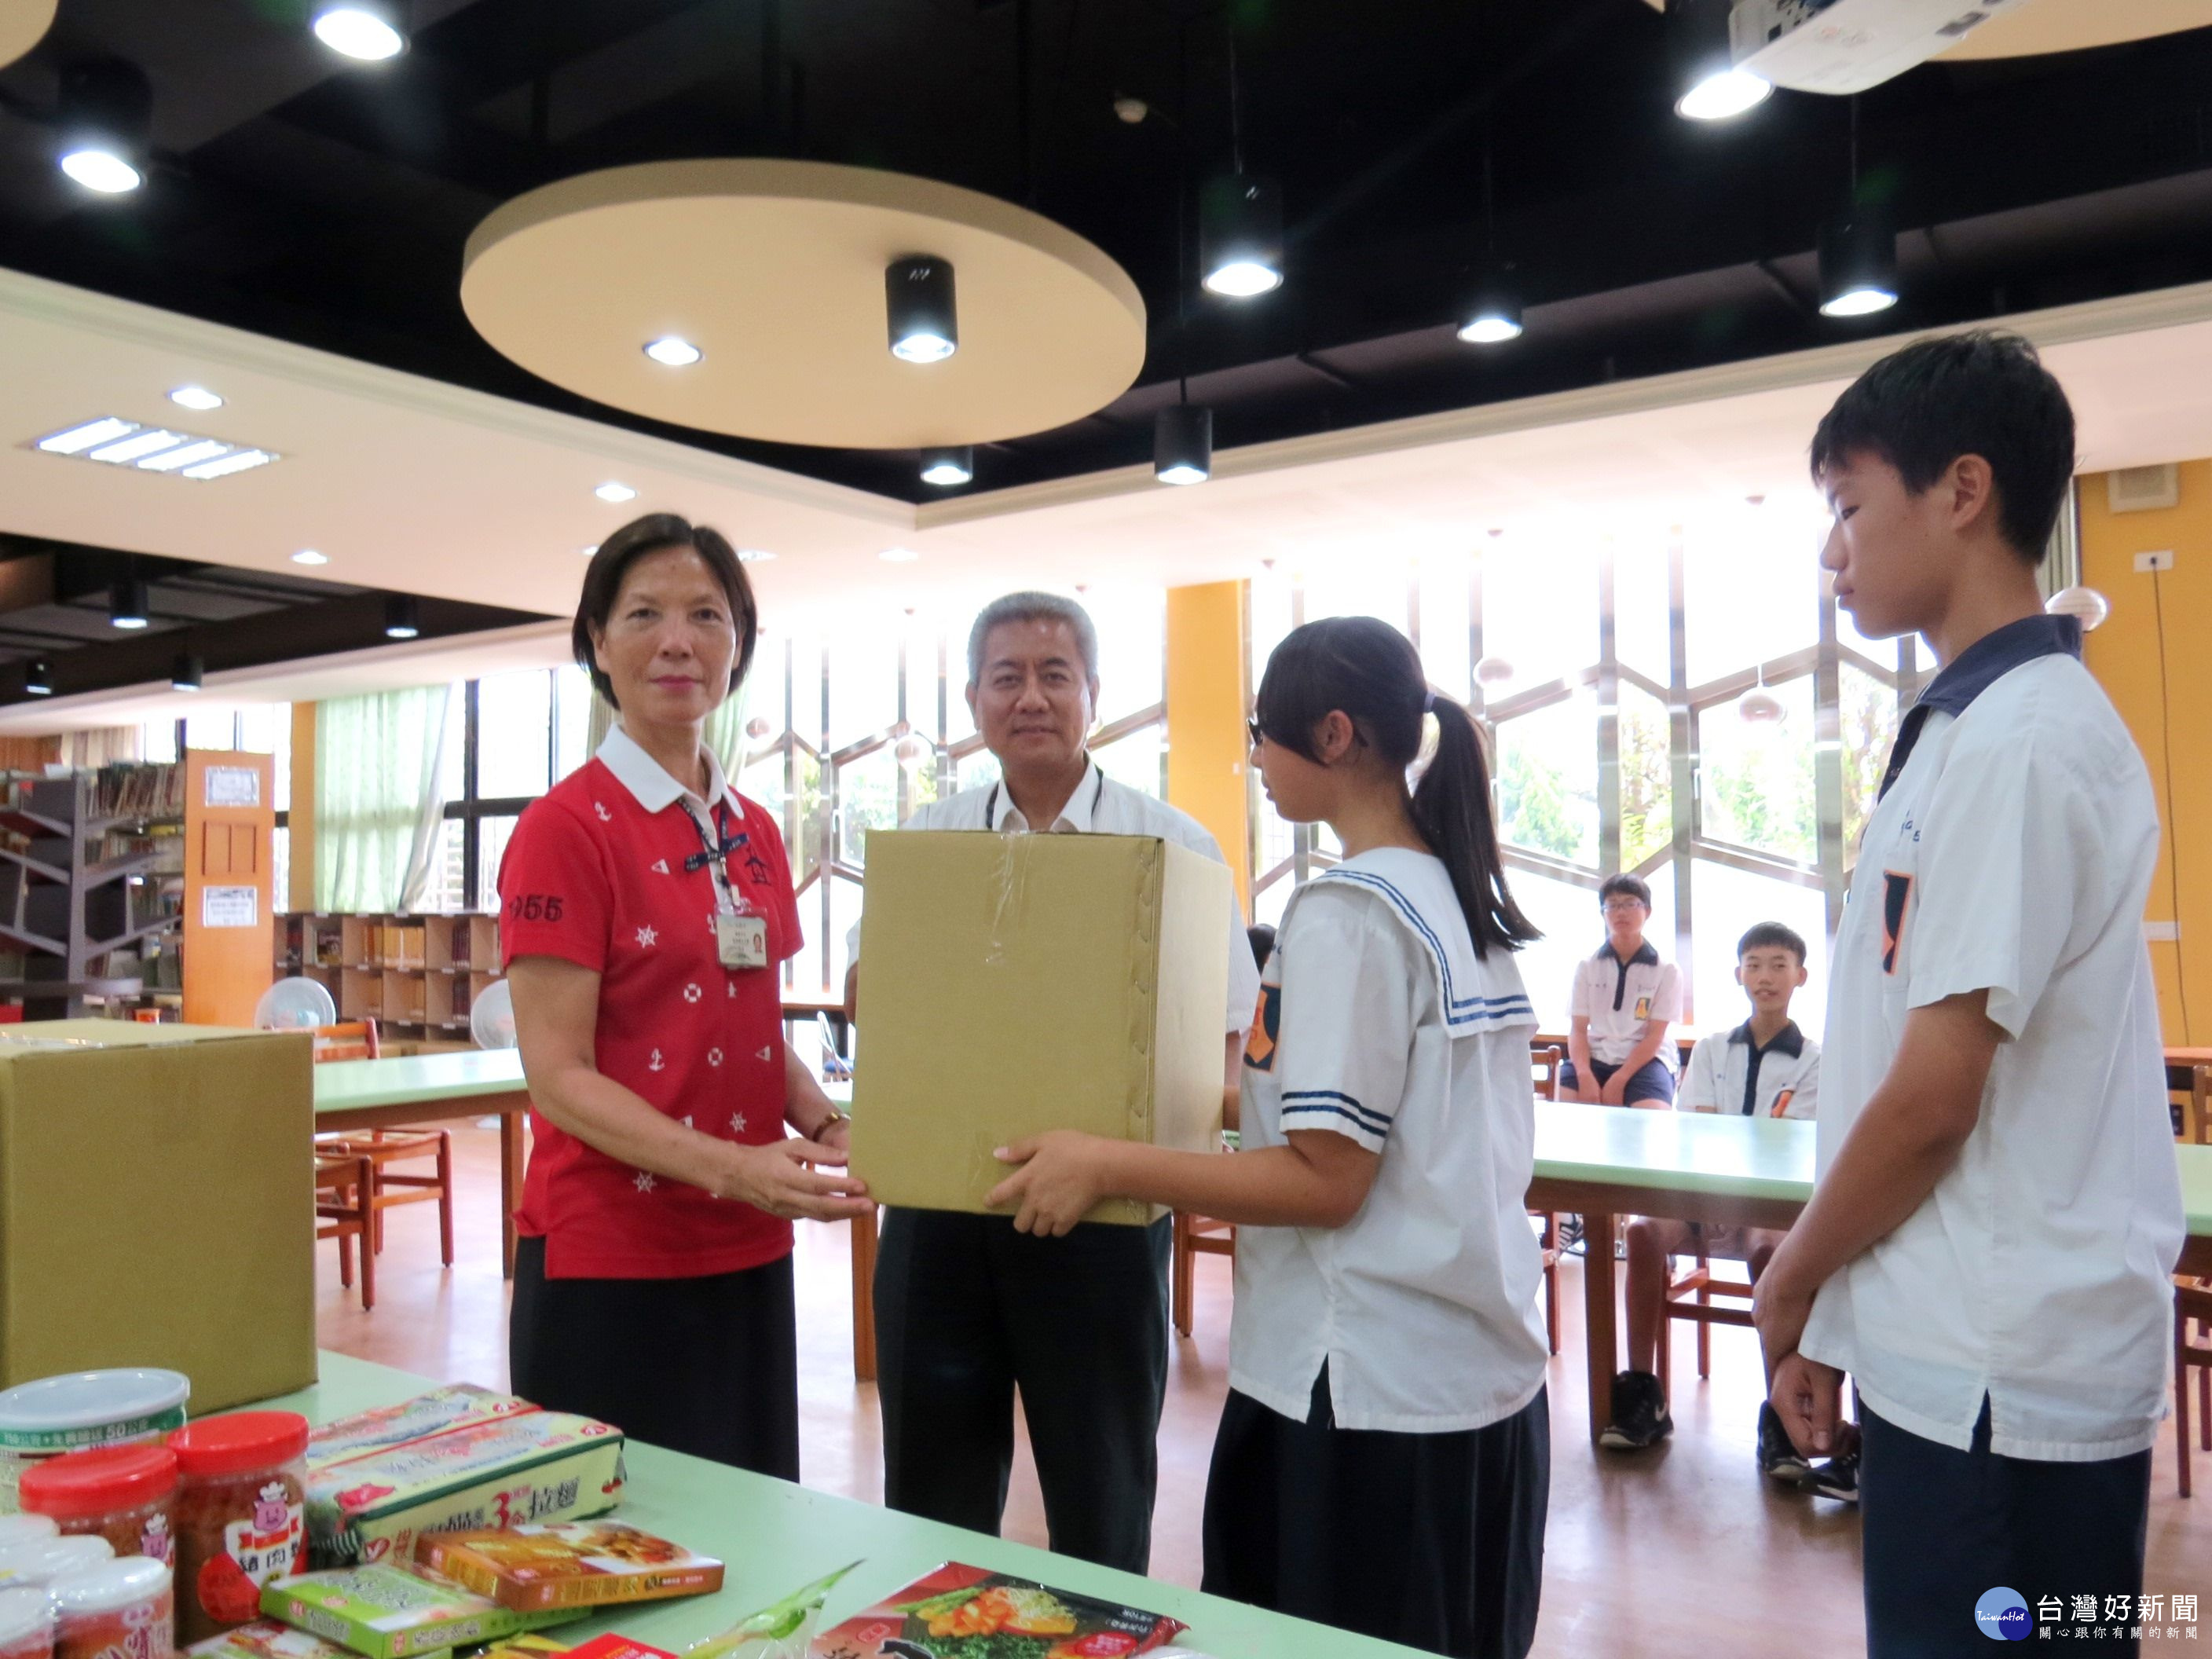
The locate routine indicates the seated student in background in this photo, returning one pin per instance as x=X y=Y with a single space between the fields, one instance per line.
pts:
x=1625 y=997
x=1765 y=1067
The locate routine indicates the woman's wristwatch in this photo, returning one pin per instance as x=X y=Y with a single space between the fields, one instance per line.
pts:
x=838 y=1114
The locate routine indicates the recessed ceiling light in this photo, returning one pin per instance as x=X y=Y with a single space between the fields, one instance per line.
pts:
x=754 y=555
x=359 y=31
x=186 y=454
x=899 y=556
x=137 y=444
x=78 y=438
x=195 y=397
x=674 y=350
x=308 y=555
x=102 y=170
x=237 y=461
x=616 y=493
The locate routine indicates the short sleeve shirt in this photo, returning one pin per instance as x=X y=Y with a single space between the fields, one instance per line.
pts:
x=596 y=873
x=1378 y=1023
x=2012 y=853
x=1731 y=1074
x=1619 y=997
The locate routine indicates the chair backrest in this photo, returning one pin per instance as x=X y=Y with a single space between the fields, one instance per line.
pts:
x=349 y=1040
x=1544 y=1063
x=2197 y=1115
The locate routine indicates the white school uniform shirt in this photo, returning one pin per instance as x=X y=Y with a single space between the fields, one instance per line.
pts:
x=2012 y=852
x=1617 y=997
x=1379 y=1024
x=1731 y=1074
x=1102 y=806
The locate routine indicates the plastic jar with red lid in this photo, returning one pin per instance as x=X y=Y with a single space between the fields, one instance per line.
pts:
x=117 y=1610
x=27 y=1624
x=126 y=1494
x=240 y=1514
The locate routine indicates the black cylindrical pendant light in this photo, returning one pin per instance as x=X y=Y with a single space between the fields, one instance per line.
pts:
x=925 y=322
x=186 y=672
x=105 y=124
x=1858 y=263
x=1490 y=314
x=1708 y=86
x=401 y=620
x=126 y=605
x=1182 y=443
x=38 y=678
x=952 y=464
x=1240 y=237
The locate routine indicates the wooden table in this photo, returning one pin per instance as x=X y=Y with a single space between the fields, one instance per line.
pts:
x=384 y=1094
x=2180 y=1062
x=776 y=1536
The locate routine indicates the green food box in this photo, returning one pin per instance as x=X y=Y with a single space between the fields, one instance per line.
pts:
x=269 y=1638
x=387 y=1612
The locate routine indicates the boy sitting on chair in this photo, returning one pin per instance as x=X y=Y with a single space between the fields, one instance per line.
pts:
x=1765 y=1067
x=1624 y=999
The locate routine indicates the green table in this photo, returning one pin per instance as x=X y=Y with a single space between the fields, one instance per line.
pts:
x=775 y=1537
x=384 y=1094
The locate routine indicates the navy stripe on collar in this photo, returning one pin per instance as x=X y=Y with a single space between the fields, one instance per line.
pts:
x=1649 y=955
x=1788 y=1040
x=1993 y=656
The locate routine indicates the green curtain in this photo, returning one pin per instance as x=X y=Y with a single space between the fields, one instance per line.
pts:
x=378 y=761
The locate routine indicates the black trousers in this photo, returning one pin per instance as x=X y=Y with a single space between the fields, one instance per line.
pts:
x=967 y=1311
x=708 y=1366
x=1432 y=1540
x=1944 y=1527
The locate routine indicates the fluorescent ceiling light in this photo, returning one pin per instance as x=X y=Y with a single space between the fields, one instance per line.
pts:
x=673 y=350
x=1722 y=96
x=308 y=555
x=132 y=447
x=754 y=555
x=206 y=449
x=103 y=170
x=78 y=438
x=242 y=461
x=195 y=397
x=616 y=493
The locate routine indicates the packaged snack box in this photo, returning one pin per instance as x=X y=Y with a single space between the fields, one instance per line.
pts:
x=386 y=1612
x=611 y=1646
x=970 y=1613
x=532 y=1467
x=456 y=1406
x=266 y=1638
x=575 y=1564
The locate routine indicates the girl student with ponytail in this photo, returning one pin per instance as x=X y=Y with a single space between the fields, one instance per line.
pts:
x=1383 y=1461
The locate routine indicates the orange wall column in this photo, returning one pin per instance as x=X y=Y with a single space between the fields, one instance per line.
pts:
x=1208 y=697
x=2148 y=656
x=300 y=879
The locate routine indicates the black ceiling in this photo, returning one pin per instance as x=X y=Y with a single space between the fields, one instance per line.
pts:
x=327 y=204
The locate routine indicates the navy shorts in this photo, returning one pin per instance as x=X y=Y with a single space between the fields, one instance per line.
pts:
x=1653 y=1081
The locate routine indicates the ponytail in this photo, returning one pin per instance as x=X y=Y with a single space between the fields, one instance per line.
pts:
x=1371 y=672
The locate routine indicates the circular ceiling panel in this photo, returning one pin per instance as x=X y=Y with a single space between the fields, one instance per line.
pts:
x=774 y=270
x=23 y=24
x=2043 y=26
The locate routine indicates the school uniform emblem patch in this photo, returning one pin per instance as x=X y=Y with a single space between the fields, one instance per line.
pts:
x=1896 y=892
x=1267 y=1028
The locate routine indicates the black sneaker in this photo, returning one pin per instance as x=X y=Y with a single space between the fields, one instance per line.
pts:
x=1779 y=1460
x=1640 y=1417
x=1838 y=1477
x=1571 y=1234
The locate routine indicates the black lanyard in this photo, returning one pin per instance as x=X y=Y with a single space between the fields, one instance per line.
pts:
x=710 y=856
x=991 y=802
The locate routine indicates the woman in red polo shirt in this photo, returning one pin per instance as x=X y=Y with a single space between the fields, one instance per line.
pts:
x=645 y=906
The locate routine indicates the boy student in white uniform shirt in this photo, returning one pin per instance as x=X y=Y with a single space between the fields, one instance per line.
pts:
x=1765 y=1067
x=967 y=1309
x=1990 y=1240
x=1624 y=999
x=1383 y=1463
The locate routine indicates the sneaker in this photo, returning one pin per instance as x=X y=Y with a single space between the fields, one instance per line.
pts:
x=1780 y=1459
x=1640 y=1417
x=1838 y=1477
x=1570 y=1235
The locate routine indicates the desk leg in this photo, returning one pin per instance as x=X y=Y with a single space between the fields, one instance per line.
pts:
x=1598 y=1336
x=864 y=1297
x=510 y=1186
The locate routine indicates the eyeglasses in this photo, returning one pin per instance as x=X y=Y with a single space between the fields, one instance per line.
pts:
x=1252 y=730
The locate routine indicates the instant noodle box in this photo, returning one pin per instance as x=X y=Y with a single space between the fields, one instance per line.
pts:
x=1013 y=984
x=268 y=1639
x=529 y=1466
x=387 y=1612
x=573 y=1563
x=157 y=1205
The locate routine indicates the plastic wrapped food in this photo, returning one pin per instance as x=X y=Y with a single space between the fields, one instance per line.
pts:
x=27 y=1624
x=969 y=1613
x=455 y=1406
x=269 y=1639
x=48 y=1558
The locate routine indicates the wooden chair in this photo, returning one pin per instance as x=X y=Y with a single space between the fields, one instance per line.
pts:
x=1544 y=1064
x=2192 y=1302
x=1690 y=1296
x=345 y=1210
x=382 y=1148
x=1195 y=1236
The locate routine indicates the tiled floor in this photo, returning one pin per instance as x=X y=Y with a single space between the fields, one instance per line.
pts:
x=1678 y=1552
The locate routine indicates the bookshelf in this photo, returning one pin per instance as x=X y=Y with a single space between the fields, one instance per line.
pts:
x=409 y=973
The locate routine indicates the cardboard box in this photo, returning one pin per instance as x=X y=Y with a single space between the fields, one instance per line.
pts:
x=386 y=1612
x=1019 y=984
x=157 y=1205
x=533 y=1466
x=573 y=1563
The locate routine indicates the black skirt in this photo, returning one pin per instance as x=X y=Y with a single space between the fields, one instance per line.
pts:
x=1432 y=1540
x=708 y=1366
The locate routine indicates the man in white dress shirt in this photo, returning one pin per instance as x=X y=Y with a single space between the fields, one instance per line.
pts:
x=968 y=1310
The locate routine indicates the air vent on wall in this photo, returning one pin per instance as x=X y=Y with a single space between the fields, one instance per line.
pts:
x=2144 y=489
x=115 y=442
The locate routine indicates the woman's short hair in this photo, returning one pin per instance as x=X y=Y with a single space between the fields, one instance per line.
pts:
x=657 y=532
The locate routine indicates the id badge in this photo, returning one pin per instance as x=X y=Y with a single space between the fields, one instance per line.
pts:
x=741 y=941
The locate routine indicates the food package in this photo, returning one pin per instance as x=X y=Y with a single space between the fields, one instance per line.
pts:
x=525 y=1646
x=271 y=1639
x=782 y=1630
x=971 y=1612
x=993 y=962
x=533 y=1466
x=387 y=1612
x=611 y=1646
x=575 y=1564
x=457 y=1405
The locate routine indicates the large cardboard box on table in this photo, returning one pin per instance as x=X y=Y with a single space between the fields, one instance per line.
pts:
x=1013 y=984
x=157 y=1205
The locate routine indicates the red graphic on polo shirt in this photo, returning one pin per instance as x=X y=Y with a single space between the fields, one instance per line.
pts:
x=1896 y=893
